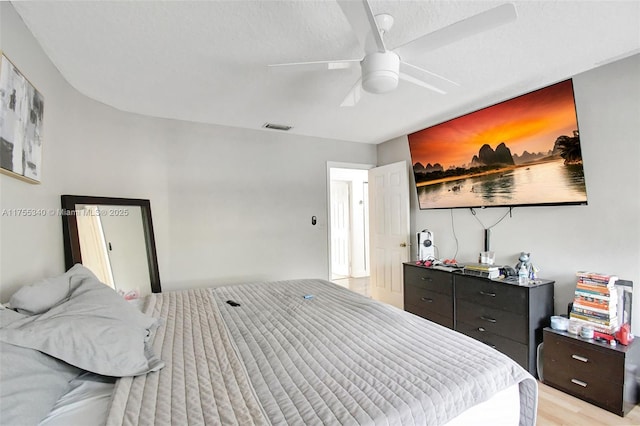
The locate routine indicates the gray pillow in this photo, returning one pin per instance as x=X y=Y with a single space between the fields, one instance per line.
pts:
x=41 y=296
x=93 y=329
x=31 y=381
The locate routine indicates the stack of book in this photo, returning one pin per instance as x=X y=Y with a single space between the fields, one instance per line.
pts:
x=595 y=302
x=481 y=270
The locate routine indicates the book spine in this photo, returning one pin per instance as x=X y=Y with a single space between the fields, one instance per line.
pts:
x=594 y=283
x=593 y=303
x=592 y=295
x=605 y=291
x=589 y=318
x=597 y=277
x=592 y=313
x=596 y=327
x=585 y=307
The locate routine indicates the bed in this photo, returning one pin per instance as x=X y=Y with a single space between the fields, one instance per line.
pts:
x=283 y=353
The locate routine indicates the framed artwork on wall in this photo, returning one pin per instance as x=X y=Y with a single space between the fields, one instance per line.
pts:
x=21 y=113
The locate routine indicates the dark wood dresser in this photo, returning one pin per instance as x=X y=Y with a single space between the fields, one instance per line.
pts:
x=592 y=371
x=506 y=316
x=429 y=293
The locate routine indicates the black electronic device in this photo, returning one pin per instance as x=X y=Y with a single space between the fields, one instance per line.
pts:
x=508 y=271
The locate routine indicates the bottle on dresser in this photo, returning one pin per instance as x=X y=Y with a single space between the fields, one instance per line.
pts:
x=523 y=275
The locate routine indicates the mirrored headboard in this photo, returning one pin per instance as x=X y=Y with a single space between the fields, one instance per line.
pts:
x=114 y=238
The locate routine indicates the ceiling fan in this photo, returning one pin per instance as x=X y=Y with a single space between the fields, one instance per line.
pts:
x=382 y=68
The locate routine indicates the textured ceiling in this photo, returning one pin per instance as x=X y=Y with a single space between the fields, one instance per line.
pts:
x=207 y=61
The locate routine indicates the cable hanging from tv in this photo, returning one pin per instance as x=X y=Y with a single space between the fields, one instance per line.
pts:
x=487 y=230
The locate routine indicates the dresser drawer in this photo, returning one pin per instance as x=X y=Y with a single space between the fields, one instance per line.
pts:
x=429 y=300
x=489 y=293
x=596 y=390
x=514 y=350
x=575 y=359
x=445 y=320
x=503 y=323
x=428 y=279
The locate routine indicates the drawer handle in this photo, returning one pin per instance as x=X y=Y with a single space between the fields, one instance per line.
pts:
x=488 y=319
x=482 y=329
x=426 y=299
x=579 y=383
x=426 y=278
x=484 y=293
x=580 y=358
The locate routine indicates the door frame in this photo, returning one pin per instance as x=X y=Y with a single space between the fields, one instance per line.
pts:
x=337 y=165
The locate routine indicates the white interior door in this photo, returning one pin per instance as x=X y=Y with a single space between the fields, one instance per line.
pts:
x=389 y=231
x=93 y=246
x=340 y=228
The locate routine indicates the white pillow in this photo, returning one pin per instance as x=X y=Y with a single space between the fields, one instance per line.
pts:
x=93 y=328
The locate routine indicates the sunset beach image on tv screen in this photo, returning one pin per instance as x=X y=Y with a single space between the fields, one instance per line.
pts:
x=524 y=151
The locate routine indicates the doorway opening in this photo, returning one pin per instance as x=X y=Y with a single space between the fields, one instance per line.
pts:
x=349 y=227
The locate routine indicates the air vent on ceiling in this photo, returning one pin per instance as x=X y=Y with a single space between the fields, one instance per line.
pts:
x=274 y=126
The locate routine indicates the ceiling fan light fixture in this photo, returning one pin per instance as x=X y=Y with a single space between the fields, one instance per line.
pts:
x=380 y=72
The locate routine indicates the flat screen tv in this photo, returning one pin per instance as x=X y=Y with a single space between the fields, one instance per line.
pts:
x=521 y=152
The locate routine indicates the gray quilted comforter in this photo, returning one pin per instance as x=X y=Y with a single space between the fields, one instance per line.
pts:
x=334 y=357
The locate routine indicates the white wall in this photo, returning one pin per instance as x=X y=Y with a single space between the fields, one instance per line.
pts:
x=242 y=202
x=604 y=235
x=88 y=149
x=227 y=204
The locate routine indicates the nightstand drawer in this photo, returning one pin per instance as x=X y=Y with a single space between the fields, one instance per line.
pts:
x=582 y=359
x=596 y=390
x=489 y=293
x=514 y=350
x=508 y=324
x=428 y=279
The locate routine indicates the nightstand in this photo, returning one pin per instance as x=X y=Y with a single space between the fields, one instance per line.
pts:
x=592 y=371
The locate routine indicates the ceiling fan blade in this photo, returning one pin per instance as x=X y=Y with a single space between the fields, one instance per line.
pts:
x=353 y=97
x=324 y=65
x=475 y=24
x=417 y=82
x=421 y=73
x=363 y=22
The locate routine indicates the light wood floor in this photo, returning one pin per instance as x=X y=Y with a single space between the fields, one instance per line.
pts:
x=558 y=408
x=359 y=285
